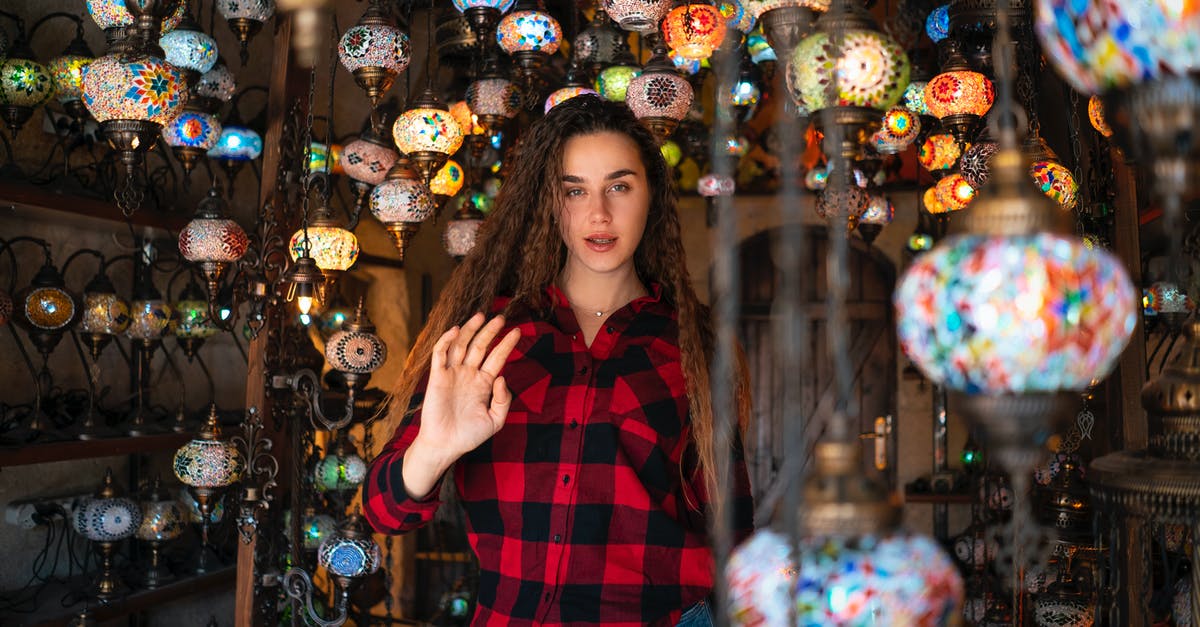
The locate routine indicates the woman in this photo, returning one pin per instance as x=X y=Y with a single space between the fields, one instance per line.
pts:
x=578 y=419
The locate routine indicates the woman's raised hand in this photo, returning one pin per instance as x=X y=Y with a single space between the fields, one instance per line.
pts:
x=466 y=401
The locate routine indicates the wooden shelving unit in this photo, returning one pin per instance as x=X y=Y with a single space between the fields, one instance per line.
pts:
x=64 y=450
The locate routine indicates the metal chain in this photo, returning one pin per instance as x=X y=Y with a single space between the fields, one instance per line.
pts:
x=1027 y=62
x=306 y=157
x=1084 y=205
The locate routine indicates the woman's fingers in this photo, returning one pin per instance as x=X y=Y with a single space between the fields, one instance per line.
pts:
x=440 y=359
x=479 y=344
x=501 y=401
x=458 y=348
x=499 y=355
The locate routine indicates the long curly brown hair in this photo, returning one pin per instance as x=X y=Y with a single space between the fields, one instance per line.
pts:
x=519 y=252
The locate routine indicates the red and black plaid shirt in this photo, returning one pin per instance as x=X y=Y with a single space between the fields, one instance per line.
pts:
x=583 y=508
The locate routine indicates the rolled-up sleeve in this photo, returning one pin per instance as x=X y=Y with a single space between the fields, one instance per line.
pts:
x=386 y=504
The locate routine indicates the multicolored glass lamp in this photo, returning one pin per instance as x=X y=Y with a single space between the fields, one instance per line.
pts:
x=483 y=15
x=207 y=464
x=237 y=145
x=375 y=51
x=462 y=230
x=191 y=135
x=492 y=98
x=213 y=241
x=116 y=19
x=341 y=469
x=639 y=16
x=366 y=161
x=25 y=84
x=356 y=351
x=959 y=96
x=529 y=35
x=597 y=45
x=842 y=200
x=694 y=30
x=613 y=82
x=214 y=88
x=67 y=71
x=106 y=519
x=46 y=309
x=428 y=134
x=189 y=48
x=402 y=202
x=245 y=19
x=879 y=214
x=786 y=22
x=447 y=183
x=333 y=247
x=192 y=324
x=104 y=313
x=659 y=97
x=899 y=128
x=349 y=554
x=162 y=521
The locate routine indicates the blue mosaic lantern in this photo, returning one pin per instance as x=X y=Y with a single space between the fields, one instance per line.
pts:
x=349 y=553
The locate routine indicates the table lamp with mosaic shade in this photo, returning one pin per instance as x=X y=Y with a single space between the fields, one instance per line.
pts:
x=208 y=465
x=106 y=519
x=162 y=521
x=25 y=84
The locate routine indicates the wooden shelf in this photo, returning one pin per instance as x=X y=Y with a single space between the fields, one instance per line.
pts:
x=52 y=614
x=15 y=193
x=64 y=450
x=939 y=499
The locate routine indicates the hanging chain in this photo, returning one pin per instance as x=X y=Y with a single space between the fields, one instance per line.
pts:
x=1027 y=63
x=1083 y=207
x=307 y=157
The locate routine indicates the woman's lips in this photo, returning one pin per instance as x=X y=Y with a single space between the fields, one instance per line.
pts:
x=601 y=242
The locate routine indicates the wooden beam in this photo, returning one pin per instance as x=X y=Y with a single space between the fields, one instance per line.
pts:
x=16 y=194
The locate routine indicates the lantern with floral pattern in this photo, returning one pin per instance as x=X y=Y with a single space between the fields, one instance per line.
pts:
x=375 y=51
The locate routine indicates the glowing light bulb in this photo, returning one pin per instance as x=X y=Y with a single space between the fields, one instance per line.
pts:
x=305 y=304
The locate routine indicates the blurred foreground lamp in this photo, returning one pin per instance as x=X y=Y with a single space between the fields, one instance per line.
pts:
x=402 y=202
x=694 y=30
x=786 y=22
x=245 y=19
x=25 y=85
x=191 y=135
x=375 y=51
x=462 y=230
x=106 y=519
x=104 y=314
x=212 y=240
x=483 y=15
x=428 y=134
x=67 y=70
x=659 y=97
x=530 y=35
x=959 y=96
x=162 y=521
x=641 y=16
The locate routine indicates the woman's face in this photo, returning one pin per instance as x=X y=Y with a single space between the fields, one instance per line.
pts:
x=606 y=202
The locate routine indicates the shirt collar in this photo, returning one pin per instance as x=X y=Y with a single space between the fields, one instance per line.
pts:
x=655 y=296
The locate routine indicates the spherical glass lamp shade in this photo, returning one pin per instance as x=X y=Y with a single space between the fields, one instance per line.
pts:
x=745 y=93
x=113 y=14
x=501 y=5
x=349 y=554
x=150 y=319
x=24 y=83
x=203 y=463
x=1099 y=46
x=564 y=94
x=671 y=153
x=217 y=83
x=402 y=200
x=193 y=129
x=1021 y=314
x=143 y=88
x=847 y=201
x=218 y=240
x=932 y=204
x=448 y=180
x=1096 y=116
x=256 y=10
x=104 y=313
x=890 y=580
x=712 y=185
x=468 y=122
x=598 y=44
x=960 y=92
x=975 y=165
x=6 y=308
x=495 y=96
x=427 y=130
x=898 y=130
x=937 y=25
x=338 y=472
x=659 y=95
x=637 y=15
x=373 y=45
x=737 y=16
x=914 y=98
x=529 y=31
x=1166 y=297
x=881 y=211
x=873 y=71
x=759 y=49
x=237 y=143
x=108 y=519
x=368 y=161
x=688 y=66
x=314 y=530
x=189 y=50
x=461 y=233
x=326 y=159
x=954 y=192
x=693 y=31
x=759 y=7
x=48 y=308
x=161 y=521
x=67 y=71
x=1056 y=182
x=939 y=152
x=332 y=247
x=192 y=321
x=613 y=82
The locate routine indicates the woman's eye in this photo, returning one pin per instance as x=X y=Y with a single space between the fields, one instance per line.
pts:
x=620 y=187
x=575 y=191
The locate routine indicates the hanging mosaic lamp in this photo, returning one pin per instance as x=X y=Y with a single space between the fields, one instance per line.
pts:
x=324 y=159
x=1167 y=302
x=529 y=35
x=162 y=521
x=872 y=73
x=356 y=351
x=492 y=99
x=694 y=30
x=67 y=71
x=314 y=529
x=939 y=152
x=349 y=553
x=189 y=48
x=150 y=315
x=428 y=134
x=25 y=84
x=598 y=45
x=880 y=212
x=1096 y=116
x=113 y=15
x=786 y=22
x=207 y=464
x=462 y=230
x=402 y=202
x=953 y=192
x=375 y=51
x=975 y=163
x=483 y=15
x=937 y=24
x=191 y=135
x=898 y=130
x=245 y=19
x=737 y=16
x=613 y=82
x=237 y=145
x=191 y=324
x=340 y=470
x=572 y=86
x=214 y=88
x=639 y=16
x=366 y=161
x=840 y=200
x=447 y=182
x=212 y=240
x=45 y=308
x=931 y=203
x=104 y=314
x=331 y=245
x=659 y=96
x=959 y=96
x=106 y=519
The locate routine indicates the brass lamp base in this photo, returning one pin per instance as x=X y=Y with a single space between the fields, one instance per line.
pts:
x=962 y=126
x=858 y=125
x=660 y=127
x=188 y=158
x=401 y=234
x=483 y=21
x=785 y=26
x=130 y=138
x=245 y=29
x=16 y=116
x=428 y=163
x=1017 y=426
x=375 y=81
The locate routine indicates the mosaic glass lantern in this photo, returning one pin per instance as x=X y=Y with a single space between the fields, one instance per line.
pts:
x=237 y=143
x=67 y=72
x=1101 y=46
x=1166 y=297
x=468 y=122
x=976 y=162
x=191 y=322
x=314 y=529
x=737 y=16
x=564 y=94
x=462 y=231
x=914 y=98
x=216 y=85
x=483 y=15
x=25 y=85
x=332 y=246
x=191 y=135
x=349 y=552
x=106 y=519
x=846 y=201
x=402 y=202
x=529 y=36
x=110 y=14
x=6 y=307
x=879 y=214
x=375 y=51
x=599 y=44
x=759 y=50
x=150 y=319
x=694 y=31
x=246 y=18
x=324 y=159
x=189 y=48
x=671 y=153
x=641 y=16
x=104 y=314
x=872 y=68
x=712 y=185
x=340 y=470
x=932 y=204
x=493 y=100
x=46 y=305
x=208 y=463
x=146 y=88
x=939 y=152
x=428 y=134
x=448 y=180
x=937 y=24
x=954 y=192
x=1056 y=182
x=368 y=159
x=659 y=97
x=899 y=128
x=613 y=82
x=959 y=96
x=212 y=240
x=162 y=521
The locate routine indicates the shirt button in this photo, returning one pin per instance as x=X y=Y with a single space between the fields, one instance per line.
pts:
x=574 y=424
x=557 y=538
x=547 y=596
x=583 y=370
x=611 y=330
x=566 y=479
